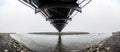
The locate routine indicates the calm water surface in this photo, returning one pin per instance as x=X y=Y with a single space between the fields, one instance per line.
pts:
x=59 y=43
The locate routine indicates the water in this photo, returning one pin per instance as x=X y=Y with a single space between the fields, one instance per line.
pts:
x=59 y=43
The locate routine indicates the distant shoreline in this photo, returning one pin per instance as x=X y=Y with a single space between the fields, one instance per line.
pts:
x=63 y=33
x=7 y=33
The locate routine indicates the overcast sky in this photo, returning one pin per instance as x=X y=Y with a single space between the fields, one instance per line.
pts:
x=98 y=16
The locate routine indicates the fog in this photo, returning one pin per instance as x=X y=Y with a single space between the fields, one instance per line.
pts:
x=98 y=16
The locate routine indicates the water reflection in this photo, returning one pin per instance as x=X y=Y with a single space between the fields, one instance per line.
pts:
x=59 y=46
x=59 y=43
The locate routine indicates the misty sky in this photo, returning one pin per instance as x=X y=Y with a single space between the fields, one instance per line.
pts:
x=98 y=16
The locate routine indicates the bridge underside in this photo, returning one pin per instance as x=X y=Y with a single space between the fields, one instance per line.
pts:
x=58 y=12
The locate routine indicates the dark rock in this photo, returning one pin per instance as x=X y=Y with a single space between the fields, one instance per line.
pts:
x=113 y=42
x=7 y=44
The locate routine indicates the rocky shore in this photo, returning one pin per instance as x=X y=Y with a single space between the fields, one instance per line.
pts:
x=7 y=44
x=111 y=44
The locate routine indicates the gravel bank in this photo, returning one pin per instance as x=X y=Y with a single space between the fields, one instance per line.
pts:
x=7 y=44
